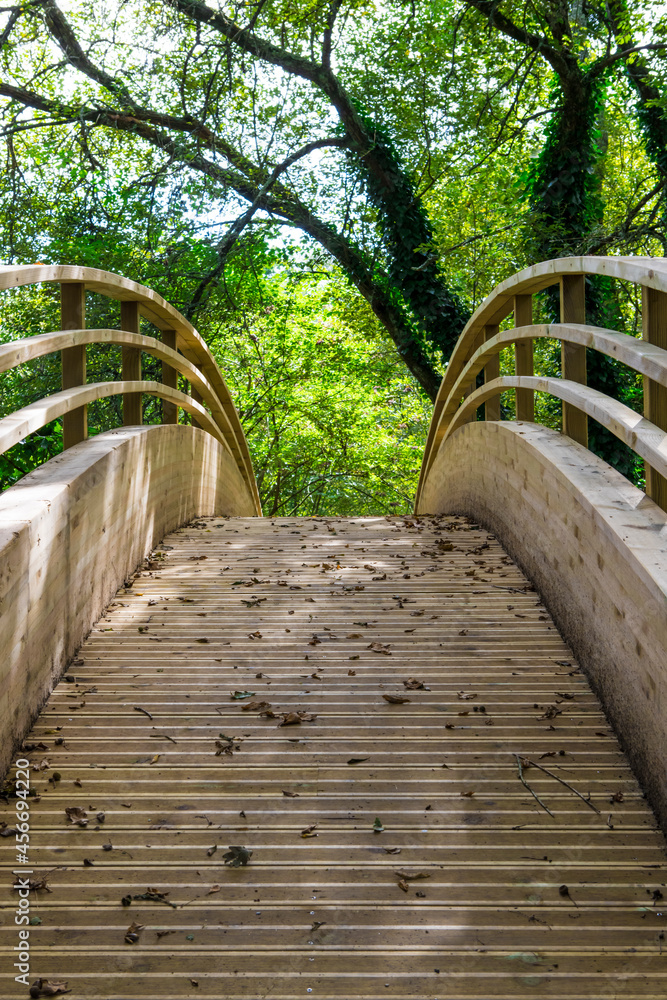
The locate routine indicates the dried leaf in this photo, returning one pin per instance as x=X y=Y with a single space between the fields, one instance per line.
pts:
x=255 y=706
x=379 y=647
x=296 y=718
x=237 y=856
x=211 y=851
x=47 y=988
x=462 y=696
x=412 y=684
x=412 y=876
x=402 y=884
x=77 y=815
x=310 y=831
x=392 y=850
x=132 y=933
x=354 y=635
x=395 y=699
x=357 y=760
x=290 y=795
x=214 y=888
x=467 y=795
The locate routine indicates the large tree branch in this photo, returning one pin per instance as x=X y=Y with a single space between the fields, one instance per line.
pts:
x=560 y=61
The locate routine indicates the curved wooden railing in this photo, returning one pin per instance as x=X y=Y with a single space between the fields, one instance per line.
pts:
x=478 y=349
x=181 y=351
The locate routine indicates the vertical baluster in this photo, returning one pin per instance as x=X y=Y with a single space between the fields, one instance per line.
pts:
x=129 y=321
x=196 y=395
x=491 y=371
x=654 y=330
x=523 y=357
x=170 y=378
x=73 y=360
x=573 y=356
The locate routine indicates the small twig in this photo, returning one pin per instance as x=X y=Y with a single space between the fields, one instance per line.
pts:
x=161 y=736
x=525 y=783
x=563 y=782
x=137 y=709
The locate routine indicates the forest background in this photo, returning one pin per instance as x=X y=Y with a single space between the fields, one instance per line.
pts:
x=328 y=190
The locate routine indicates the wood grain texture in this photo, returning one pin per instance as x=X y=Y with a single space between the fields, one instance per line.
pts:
x=596 y=549
x=71 y=532
x=73 y=360
x=517 y=903
x=163 y=316
x=648 y=272
x=654 y=331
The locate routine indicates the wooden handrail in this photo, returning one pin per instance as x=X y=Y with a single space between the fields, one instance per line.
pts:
x=178 y=331
x=28 y=419
x=480 y=344
x=18 y=352
x=630 y=427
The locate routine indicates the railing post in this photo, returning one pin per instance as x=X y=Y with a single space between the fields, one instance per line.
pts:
x=169 y=378
x=73 y=359
x=573 y=356
x=129 y=321
x=491 y=371
x=523 y=357
x=654 y=330
x=196 y=395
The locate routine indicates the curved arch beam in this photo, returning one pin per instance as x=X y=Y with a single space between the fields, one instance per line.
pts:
x=31 y=418
x=648 y=271
x=164 y=316
x=645 y=358
x=18 y=352
x=639 y=434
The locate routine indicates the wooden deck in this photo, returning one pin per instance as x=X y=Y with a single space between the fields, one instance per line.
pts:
x=477 y=885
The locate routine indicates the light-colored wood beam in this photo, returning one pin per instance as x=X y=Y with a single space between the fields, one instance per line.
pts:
x=654 y=330
x=573 y=356
x=491 y=372
x=523 y=357
x=73 y=359
x=170 y=378
x=129 y=321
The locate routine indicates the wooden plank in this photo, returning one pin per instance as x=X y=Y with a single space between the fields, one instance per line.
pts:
x=491 y=372
x=170 y=378
x=654 y=330
x=196 y=395
x=450 y=799
x=73 y=360
x=131 y=364
x=523 y=357
x=573 y=356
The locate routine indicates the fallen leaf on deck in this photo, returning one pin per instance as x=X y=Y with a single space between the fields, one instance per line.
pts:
x=412 y=876
x=211 y=851
x=467 y=795
x=46 y=988
x=392 y=850
x=395 y=699
x=310 y=831
x=255 y=706
x=357 y=760
x=237 y=856
x=214 y=888
x=132 y=933
x=201 y=640
x=77 y=815
x=379 y=647
x=296 y=718
x=316 y=924
x=462 y=696
x=402 y=884
x=377 y=825
x=240 y=695
x=412 y=684
x=354 y=635
x=290 y=795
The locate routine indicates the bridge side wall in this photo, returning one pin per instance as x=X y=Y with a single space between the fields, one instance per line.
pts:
x=73 y=530
x=596 y=550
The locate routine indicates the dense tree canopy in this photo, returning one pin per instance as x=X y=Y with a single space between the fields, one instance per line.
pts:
x=413 y=152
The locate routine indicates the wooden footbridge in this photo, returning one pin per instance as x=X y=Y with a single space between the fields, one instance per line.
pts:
x=403 y=757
